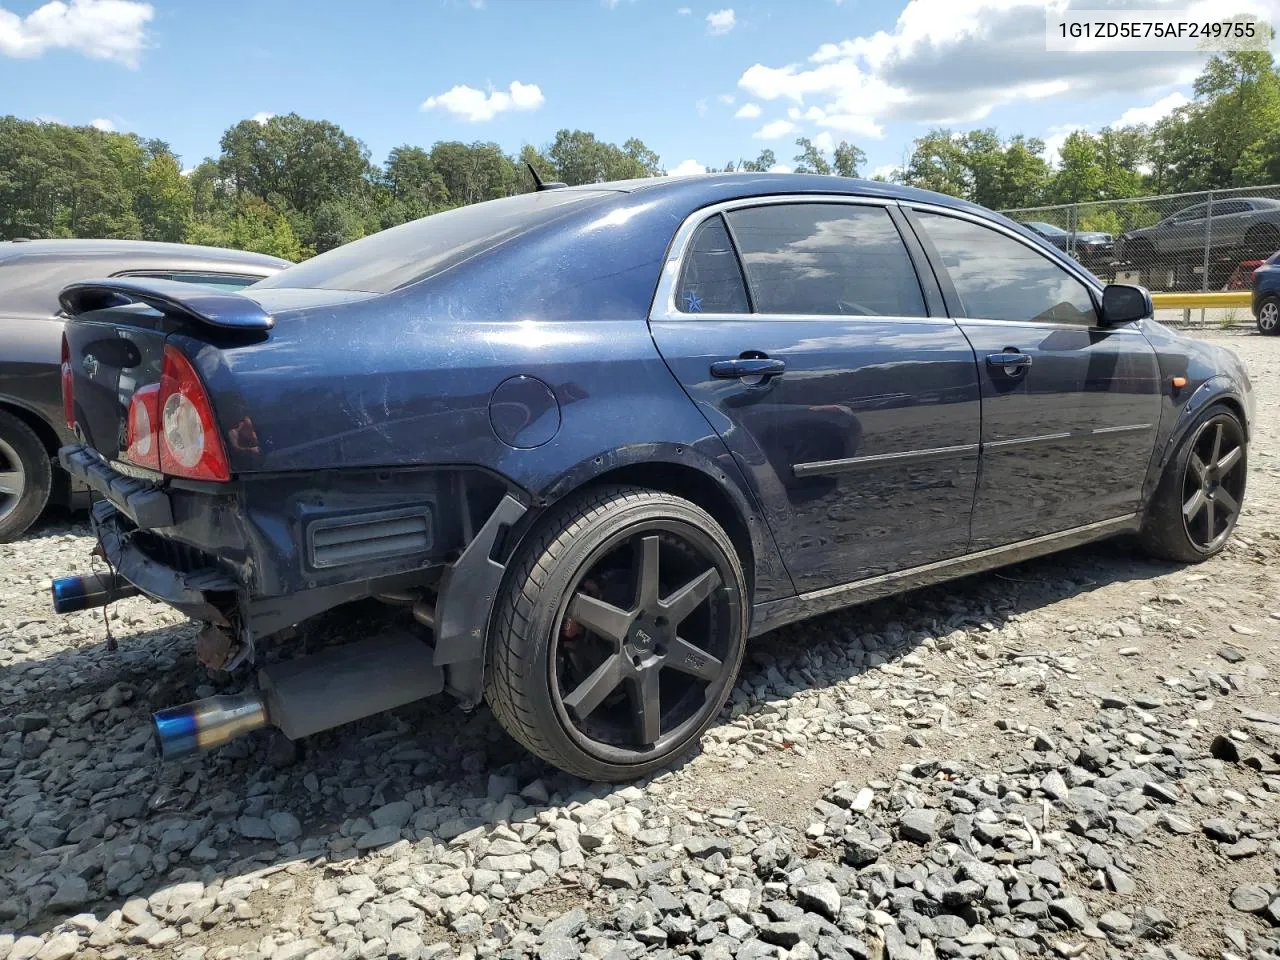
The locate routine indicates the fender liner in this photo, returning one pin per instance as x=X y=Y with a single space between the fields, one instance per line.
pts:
x=464 y=602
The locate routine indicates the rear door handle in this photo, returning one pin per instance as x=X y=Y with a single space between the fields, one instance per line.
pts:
x=748 y=367
x=1008 y=361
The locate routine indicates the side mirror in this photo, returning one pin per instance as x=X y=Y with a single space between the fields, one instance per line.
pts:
x=1124 y=303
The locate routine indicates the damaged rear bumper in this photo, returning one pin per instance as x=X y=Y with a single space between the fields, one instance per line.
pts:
x=162 y=569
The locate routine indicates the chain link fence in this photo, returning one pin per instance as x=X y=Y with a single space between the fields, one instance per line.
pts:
x=1210 y=240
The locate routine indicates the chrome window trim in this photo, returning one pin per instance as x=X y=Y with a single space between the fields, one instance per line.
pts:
x=664 y=308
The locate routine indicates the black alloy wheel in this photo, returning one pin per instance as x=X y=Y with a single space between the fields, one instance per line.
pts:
x=1213 y=483
x=618 y=633
x=625 y=678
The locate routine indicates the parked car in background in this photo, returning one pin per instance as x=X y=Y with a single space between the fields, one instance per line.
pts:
x=1237 y=228
x=1266 y=295
x=592 y=439
x=1092 y=248
x=32 y=273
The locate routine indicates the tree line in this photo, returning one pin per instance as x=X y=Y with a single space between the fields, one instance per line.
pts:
x=293 y=186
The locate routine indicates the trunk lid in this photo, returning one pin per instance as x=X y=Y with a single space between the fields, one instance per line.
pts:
x=113 y=353
x=116 y=335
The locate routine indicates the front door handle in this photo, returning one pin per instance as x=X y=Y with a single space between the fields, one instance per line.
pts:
x=1010 y=360
x=764 y=367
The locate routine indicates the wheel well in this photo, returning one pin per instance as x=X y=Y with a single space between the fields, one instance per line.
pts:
x=38 y=425
x=1234 y=405
x=696 y=487
x=49 y=439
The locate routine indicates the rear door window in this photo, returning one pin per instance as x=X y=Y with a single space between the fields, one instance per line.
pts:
x=826 y=259
x=712 y=281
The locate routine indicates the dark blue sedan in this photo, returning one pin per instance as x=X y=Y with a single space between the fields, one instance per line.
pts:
x=593 y=439
x=1266 y=295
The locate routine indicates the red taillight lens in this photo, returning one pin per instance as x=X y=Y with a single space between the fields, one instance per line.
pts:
x=142 y=434
x=189 y=443
x=68 y=386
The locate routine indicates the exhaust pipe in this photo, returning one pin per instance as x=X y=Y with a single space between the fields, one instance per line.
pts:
x=208 y=723
x=92 y=590
x=302 y=697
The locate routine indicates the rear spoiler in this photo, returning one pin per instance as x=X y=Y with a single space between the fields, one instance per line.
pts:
x=190 y=301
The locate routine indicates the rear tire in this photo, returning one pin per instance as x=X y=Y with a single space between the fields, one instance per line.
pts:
x=1269 y=316
x=1198 y=500
x=585 y=667
x=26 y=477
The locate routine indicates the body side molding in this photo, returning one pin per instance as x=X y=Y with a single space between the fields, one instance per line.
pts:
x=768 y=616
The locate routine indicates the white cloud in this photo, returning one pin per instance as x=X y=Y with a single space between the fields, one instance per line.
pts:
x=748 y=111
x=683 y=11
x=686 y=167
x=101 y=29
x=954 y=61
x=721 y=21
x=727 y=99
x=780 y=168
x=701 y=107
x=1153 y=112
x=775 y=130
x=824 y=141
x=103 y=124
x=476 y=106
x=262 y=116
x=887 y=171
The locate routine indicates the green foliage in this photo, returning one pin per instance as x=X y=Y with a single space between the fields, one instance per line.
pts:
x=293 y=186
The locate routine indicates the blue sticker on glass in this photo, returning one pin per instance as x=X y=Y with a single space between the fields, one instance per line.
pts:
x=692 y=303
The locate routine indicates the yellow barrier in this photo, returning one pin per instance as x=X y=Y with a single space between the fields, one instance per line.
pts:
x=1196 y=301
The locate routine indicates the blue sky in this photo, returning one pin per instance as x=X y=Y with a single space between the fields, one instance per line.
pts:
x=700 y=83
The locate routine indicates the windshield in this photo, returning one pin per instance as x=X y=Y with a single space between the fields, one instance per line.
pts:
x=1048 y=229
x=392 y=258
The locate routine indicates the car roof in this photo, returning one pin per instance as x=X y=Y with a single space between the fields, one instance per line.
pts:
x=714 y=186
x=181 y=253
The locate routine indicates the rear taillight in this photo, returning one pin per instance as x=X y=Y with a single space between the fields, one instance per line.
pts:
x=68 y=386
x=142 y=439
x=186 y=432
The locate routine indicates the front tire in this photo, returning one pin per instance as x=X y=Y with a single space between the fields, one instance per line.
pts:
x=1269 y=316
x=618 y=633
x=26 y=477
x=1198 y=500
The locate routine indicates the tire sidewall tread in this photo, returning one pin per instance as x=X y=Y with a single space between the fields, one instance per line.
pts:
x=39 y=476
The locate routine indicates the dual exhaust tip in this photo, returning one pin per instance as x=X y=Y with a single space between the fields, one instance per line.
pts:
x=300 y=697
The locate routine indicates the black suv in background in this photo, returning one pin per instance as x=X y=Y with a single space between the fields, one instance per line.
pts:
x=32 y=272
x=1093 y=249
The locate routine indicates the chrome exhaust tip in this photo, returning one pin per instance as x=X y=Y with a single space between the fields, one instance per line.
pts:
x=92 y=590
x=211 y=722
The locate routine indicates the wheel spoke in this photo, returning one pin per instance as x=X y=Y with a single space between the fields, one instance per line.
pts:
x=685 y=657
x=685 y=600
x=1229 y=504
x=603 y=619
x=11 y=482
x=1197 y=465
x=647 y=573
x=1217 y=445
x=591 y=692
x=1194 y=505
x=1209 y=521
x=646 y=702
x=1229 y=460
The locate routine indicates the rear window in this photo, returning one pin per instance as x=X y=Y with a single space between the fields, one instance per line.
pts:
x=400 y=255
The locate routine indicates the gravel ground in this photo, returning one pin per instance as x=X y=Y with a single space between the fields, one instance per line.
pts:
x=1074 y=757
